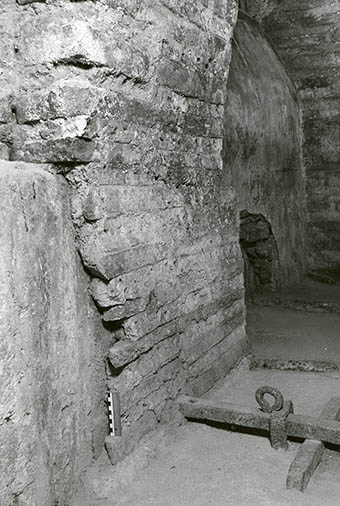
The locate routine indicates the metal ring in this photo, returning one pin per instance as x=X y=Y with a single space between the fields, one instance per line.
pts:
x=264 y=405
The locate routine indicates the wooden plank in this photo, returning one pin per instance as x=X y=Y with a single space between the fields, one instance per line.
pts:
x=222 y=412
x=277 y=426
x=311 y=427
x=306 y=427
x=310 y=453
x=304 y=464
x=332 y=409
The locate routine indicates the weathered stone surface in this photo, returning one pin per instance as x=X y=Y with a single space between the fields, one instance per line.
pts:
x=46 y=350
x=306 y=38
x=260 y=254
x=267 y=171
x=5 y=108
x=124 y=352
x=147 y=365
x=59 y=150
x=130 y=308
x=66 y=98
x=210 y=331
x=4 y=151
x=126 y=100
x=223 y=363
x=109 y=294
x=258 y=9
x=151 y=391
x=118 y=447
x=25 y=2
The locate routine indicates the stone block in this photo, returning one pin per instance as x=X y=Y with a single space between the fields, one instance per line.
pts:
x=7 y=134
x=147 y=365
x=6 y=49
x=66 y=98
x=126 y=310
x=4 y=151
x=205 y=361
x=218 y=369
x=81 y=37
x=45 y=344
x=181 y=79
x=127 y=199
x=118 y=447
x=141 y=211
x=125 y=352
x=159 y=397
x=93 y=206
x=200 y=322
x=204 y=341
x=140 y=325
x=153 y=391
x=5 y=108
x=25 y=2
x=68 y=37
x=109 y=294
x=62 y=150
x=126 y=231
x=107 y=263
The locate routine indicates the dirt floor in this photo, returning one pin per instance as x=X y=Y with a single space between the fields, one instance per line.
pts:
x=309 y=293
x=211 y=467
x=278 y=332
x=299 y=324
x=200 y=465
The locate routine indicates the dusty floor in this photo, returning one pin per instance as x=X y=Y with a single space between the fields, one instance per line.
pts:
x=201 y=465
x=309 y=292
x=278 y=331
x=210 y=467
x=205 y=466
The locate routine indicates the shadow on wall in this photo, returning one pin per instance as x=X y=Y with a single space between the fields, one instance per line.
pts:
x=260 y=254
x=262 y=150
x=258 y=9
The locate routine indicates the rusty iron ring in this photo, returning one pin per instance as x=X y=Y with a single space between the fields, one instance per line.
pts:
x=264 y=405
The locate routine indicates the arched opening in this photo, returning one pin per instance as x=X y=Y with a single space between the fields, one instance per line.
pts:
x=260 y=255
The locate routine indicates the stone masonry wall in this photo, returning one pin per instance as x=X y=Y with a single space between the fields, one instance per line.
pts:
x=263 y=149
x=47 y=351
x=306 y=35
x=125 y=101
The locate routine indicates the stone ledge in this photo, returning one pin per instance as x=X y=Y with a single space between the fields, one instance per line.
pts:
x=8 y=167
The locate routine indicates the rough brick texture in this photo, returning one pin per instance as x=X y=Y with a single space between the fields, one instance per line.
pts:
x=263 y=149
x=306 y=35
x=125 y=100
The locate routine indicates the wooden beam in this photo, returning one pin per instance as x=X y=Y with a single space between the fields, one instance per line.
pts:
x=222 y=412
x=306 y=427
x=310 y=452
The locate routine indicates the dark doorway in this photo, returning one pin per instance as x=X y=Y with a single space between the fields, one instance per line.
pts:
x=260 y=255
